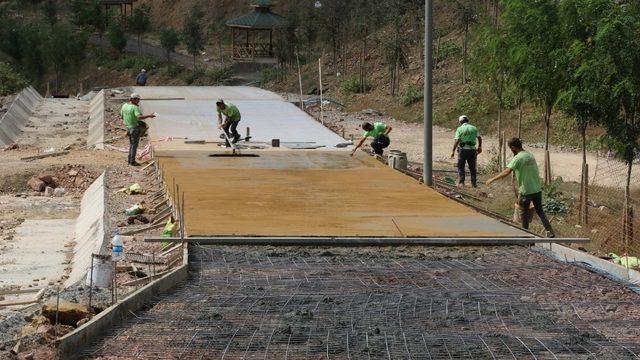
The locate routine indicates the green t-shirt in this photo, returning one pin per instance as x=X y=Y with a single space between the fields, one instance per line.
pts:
x=467 y=134
x=527 y=173
x=230 y=111
x=130 y=114
x=378 y=128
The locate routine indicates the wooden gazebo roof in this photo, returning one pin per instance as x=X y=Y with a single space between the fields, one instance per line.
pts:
x=261 y=18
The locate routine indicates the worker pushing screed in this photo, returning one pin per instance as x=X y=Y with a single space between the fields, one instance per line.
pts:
x=230 y=122
x=380 y=134
x=132 y=116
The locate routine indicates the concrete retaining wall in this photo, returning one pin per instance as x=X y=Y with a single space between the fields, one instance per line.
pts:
x=13 y=122
x=90 y=232
x=70 y=344
x=96 y=121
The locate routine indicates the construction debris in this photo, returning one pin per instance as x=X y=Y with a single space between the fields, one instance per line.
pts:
x=65 y=312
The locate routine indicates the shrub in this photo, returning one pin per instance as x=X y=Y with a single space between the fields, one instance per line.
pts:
x=554 y=201
x=353 y=85
x=411 y=95
x=136 y=63
x=449 y=49
x=10 y=80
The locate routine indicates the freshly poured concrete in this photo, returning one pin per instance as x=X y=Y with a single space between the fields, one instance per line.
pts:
x=38 y=254
x=310 y=193
x=267 y=120
x=286 y=192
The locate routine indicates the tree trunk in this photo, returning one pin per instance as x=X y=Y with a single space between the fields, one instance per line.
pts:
x=464 y=54
x=547 y=125
x=520 y=101
x=194 y=62
x=584 y=200
x=500 y=139
x=628 y=210
x=139 y=44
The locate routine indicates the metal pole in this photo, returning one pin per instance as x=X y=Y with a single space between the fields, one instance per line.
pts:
x=428 y=93
x=321 y=90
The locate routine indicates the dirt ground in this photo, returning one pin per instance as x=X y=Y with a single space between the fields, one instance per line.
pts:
x=56 y=125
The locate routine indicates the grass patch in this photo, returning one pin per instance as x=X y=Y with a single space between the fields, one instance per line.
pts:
x=411 y=95
x=353 y=85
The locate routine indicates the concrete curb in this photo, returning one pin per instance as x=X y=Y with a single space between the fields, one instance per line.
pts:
x=90 y=229
x=68 y=346
x=97 y=115
x=618 y=272
x=13 y=122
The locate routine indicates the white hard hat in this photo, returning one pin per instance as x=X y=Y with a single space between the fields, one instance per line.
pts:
x=463 y=118
x=135 y=96
x=143 y=70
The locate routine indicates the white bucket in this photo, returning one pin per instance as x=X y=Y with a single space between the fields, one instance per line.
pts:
x=102 y=273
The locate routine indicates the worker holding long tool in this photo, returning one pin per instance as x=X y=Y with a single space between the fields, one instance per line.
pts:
x=132 y=116
x=380 y=134
x=231 y=119
x=529 y=185
x=468 y=143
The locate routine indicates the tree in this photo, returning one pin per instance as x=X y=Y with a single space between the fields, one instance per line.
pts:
x=140 y=22
x=193 y=36
x=117 y=37
x=64 y=49
x=468 y=10
x=50 y=12
x=536 y=44
x=169 y=40
x=491 y=65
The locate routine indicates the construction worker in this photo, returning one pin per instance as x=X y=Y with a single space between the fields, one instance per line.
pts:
x=469 y=144
x=380 y=134
x=131 y=115
x=231 y=120
x=529 y=185
x=141 y=79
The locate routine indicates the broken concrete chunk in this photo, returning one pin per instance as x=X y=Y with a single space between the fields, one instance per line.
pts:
x=59 y=192
x=72 y=173
x=69 y=313
x=48 y=180
x=48 y=191
x=36 y=184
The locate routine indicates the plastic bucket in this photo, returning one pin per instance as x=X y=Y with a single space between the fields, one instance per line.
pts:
x=102 y=273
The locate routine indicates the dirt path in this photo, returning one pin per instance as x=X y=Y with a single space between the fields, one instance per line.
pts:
x=409 y=138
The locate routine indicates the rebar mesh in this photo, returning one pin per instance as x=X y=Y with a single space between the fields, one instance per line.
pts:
x=383 y=303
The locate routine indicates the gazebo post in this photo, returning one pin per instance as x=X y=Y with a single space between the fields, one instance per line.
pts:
x=233 y=43
x=270 y=42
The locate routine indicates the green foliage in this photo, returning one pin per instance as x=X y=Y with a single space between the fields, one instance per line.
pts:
x=136 y=62
x=169 y=40
x=89 y=14
x=117 y=37
x=65 y=50
x=208 y=76
x=411 y=95
x=140 y=22
x=449 y=49
x=10 y=80
x=193 y=36
x=471 y=101
x=50 y=11
x=554 y=201
x=352 y=85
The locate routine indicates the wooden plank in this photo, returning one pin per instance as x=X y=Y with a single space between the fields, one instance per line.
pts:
x=138 y=231
x=165 y=253
x=145 y=279
x=369 y=241
x=42 y=156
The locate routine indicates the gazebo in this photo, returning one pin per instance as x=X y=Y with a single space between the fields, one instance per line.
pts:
x=121 y=4
x=255 y=26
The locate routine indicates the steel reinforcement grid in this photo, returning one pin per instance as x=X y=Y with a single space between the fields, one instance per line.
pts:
x=381 y=303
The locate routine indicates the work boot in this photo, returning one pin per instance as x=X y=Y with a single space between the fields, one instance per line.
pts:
x=236 y=138
x=134 y=164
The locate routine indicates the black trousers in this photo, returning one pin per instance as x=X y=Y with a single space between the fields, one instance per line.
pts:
x=380 y=143
x=230 y=128
x=468 y=157
x=134 y=139
x=525 y=202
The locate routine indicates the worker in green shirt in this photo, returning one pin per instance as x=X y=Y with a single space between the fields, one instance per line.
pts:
x=529 y=185
x=131 y=115
x=469 y=144
x=231 y=119
x=380 y=134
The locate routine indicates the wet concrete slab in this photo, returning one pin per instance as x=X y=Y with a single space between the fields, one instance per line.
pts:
x=266 y=119
x=205 y=92
x=306 y=193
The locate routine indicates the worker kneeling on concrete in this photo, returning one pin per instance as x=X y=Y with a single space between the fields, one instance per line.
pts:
x=231 y=120
x=380 y=134
x=466 y=139
x=131 y=115
x=529 y=185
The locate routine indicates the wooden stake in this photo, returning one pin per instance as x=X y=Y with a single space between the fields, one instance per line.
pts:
x=321 y=91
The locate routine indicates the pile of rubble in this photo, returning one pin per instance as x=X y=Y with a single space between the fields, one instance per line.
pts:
x=68 y=179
